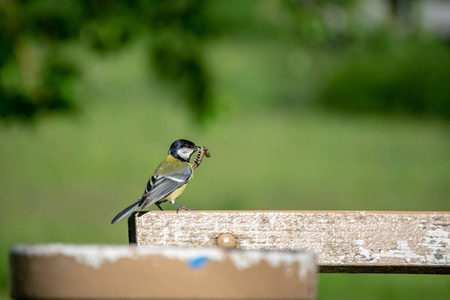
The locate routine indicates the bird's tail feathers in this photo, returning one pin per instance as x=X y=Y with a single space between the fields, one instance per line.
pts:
x=126 y=212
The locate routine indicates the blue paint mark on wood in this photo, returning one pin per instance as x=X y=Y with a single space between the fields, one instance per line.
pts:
x=197 y=262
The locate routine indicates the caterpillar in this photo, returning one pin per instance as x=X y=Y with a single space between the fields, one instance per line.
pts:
x=199 y=157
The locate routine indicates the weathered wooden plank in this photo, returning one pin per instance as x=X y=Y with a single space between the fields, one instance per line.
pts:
x=57 y=271
x=344 y=241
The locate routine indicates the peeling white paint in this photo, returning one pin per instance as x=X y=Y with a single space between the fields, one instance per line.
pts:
x=364 y=252
x=97 y=255
x=188 y=254
x=92 y=255
x=402 y=251
x=438 y=242
x=355 y=238
x=246 y=259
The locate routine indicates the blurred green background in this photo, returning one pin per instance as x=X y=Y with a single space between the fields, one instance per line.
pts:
x=329 y=105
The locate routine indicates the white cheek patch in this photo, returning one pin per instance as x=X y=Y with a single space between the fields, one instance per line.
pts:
x=185 y=153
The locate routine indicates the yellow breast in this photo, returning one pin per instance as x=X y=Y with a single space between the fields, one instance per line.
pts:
x=175 y=194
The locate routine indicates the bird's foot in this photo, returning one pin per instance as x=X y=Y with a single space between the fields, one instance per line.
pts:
x=160 y=208
x=182 y=207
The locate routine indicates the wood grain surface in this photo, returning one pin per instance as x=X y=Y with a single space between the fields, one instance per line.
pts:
x=64 y=271
x=343 y=241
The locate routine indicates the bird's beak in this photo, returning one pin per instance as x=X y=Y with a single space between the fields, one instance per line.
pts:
x=197 y=148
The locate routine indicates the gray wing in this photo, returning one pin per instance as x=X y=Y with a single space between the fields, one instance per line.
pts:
x=159 y=187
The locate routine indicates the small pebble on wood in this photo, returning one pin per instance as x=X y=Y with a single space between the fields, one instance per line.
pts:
x=226 y=240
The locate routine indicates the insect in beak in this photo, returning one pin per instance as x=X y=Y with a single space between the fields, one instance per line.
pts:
x=202 y=151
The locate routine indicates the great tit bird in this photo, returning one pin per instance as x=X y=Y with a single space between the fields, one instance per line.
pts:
x=169 y=180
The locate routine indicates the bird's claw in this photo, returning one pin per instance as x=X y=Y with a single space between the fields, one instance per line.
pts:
x=184 y=208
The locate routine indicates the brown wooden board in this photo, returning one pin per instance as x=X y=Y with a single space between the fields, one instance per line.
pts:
x=344 y=241
x=61 y=271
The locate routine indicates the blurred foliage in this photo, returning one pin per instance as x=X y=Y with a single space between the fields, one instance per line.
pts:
x=370 y=66
x=35 y=77
x=403 y=76
x=178 y=29
x=33 y=34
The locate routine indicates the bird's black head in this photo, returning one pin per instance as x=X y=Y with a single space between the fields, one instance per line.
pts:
x=182 y=149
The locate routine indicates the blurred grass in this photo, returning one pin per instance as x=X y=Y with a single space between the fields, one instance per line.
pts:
x=65 y=178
